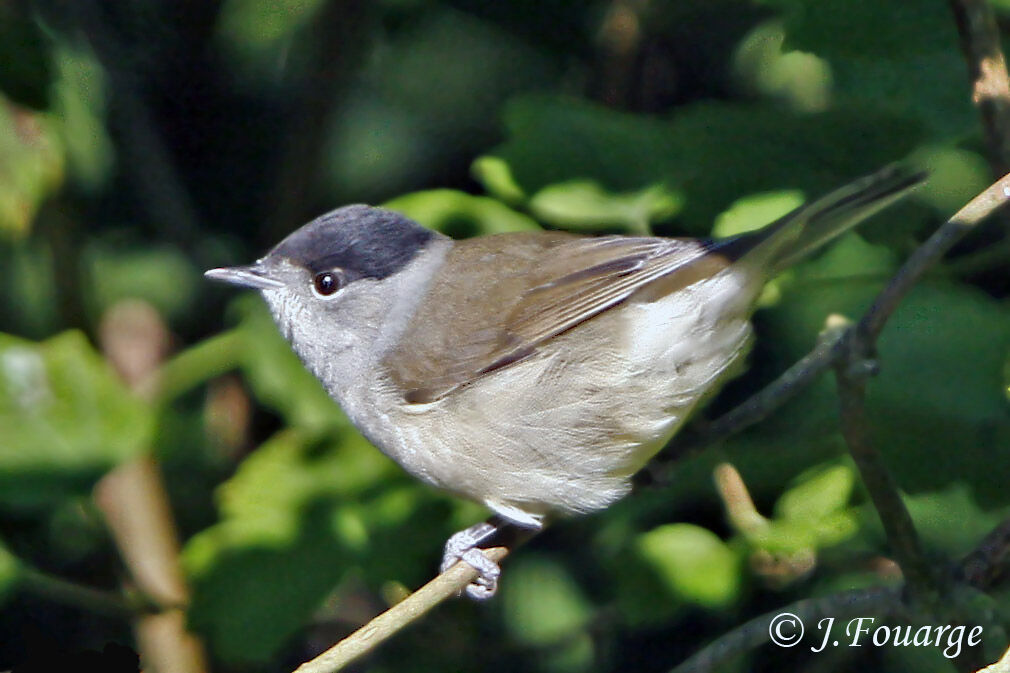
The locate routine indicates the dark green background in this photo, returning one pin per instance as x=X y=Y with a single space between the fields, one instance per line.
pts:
x=142 y=142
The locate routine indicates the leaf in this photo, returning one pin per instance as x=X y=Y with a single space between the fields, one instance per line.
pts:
x=256 y=35
x=495 y=176
x=79 y=107
x=900 y=56
x=693 y=563
x=64 y=417
x=938 y=408
x=542 y=604
x=10 y=573
x=299 y=515
x=141 y=273
x=583 y=205
x=459 y=214
x=818 y=496
x=755 y=211
x=31 y=166
x=709 y=154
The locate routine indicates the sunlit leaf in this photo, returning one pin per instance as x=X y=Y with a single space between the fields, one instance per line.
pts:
x=709 y=153
x=755 y=211
x=297 y=516
x=763 y=67
x=582 y=205
x=542 y=603
x=459 y=214
x=494 y=174
x=693 y=563
x=818 y=496
x=31 y=166
x=902 y=56
x=64 y=418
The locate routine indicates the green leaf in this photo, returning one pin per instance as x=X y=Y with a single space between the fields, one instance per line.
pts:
x=901 y=56
x=64 y=417
x=709 y=154
x=31 y=166
x=693 y=563
x=583 y=205
x=459 y=214
x=257 y=34
x=141 y=273
x=938 y=408
x=755 y=211
x=818 y=496
x=760 y=66
x=10 y=573
x=297 y=517
x=495 y=176
x=542 y=604
x=259 y=573
x=941 y=393
x=79 y=107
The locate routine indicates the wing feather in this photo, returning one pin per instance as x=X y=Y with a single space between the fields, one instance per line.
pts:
x=543 y=285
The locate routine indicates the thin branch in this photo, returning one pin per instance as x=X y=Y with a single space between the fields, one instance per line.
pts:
x=980 y=42
x=833 y=348
x=136 y=506
x=830 y=351
x=1001 y=666
x=979 y=568
x=898 y=526
x=197 y=364
x=762 y=404
x=374 y=633
x=930 y=252
x=70 y=593
x=989 y=562
x=810 y=611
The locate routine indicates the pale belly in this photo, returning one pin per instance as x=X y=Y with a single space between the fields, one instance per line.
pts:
x=564 y=430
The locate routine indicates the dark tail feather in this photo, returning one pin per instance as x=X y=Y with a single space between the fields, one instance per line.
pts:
x=794 y=236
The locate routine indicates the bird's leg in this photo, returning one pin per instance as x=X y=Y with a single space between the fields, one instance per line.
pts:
x=463 y=547
x=511 y=527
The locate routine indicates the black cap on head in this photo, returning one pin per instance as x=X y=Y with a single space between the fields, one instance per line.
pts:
x=365 y=242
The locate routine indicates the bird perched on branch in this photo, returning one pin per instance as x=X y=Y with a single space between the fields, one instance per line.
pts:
x=532 y=372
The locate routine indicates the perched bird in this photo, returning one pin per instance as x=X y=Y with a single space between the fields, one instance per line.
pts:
x=532 y=372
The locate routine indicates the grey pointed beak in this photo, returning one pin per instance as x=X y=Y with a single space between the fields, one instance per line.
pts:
x=253 y=276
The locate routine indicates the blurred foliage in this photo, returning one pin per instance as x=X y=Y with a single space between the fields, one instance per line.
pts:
x=66 y=419
x=143 y=142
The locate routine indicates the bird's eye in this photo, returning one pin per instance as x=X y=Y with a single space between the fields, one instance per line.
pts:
x=327 y=283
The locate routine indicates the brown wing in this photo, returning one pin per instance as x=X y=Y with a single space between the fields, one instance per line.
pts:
x=497 y=298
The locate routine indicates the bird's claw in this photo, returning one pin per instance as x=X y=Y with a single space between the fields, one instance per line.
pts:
x=463 y=547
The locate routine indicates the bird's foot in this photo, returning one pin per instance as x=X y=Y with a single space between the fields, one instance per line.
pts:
x=463 y=547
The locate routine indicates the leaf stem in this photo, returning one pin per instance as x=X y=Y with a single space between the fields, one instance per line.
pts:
x=64 y=591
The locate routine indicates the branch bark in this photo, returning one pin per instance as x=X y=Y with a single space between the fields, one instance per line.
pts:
x=980 y=42
x=389 y=623
x=833 y=347
x=981 y=568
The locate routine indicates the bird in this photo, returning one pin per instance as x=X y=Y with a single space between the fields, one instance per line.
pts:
x=532 y=372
